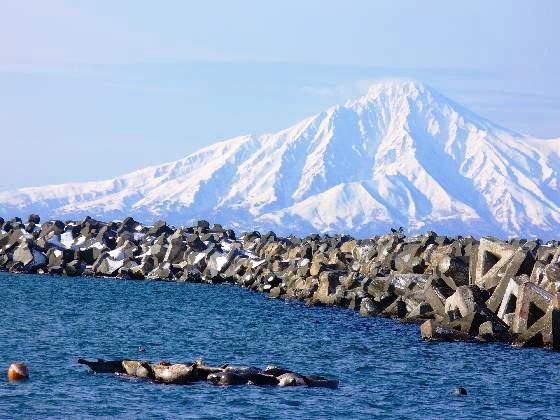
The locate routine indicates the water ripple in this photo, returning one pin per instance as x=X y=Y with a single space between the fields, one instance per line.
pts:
x=384 y=367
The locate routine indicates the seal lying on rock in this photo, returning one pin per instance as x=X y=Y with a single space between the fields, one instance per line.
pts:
x=174 y=373
x=138 y=368
x=181 y=374
x=130 y=366
x=291 y=379
x=320 y=382
x=253 y=375
x=104 y=366
x=144 y=371
x=262 y=379
x=275 y=370
x=226 y=378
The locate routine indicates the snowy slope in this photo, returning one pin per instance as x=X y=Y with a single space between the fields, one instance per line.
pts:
x=402 y=155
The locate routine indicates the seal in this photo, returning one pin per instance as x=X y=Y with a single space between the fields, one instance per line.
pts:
x=261 y=379
x=320 y=382
x=253 y=375
x=173 y=373
x=275 y=370
x=291 y=379
x=145 y=371
x=226 y=378
x=201 y=371
x=104 y=366
x=460 y=391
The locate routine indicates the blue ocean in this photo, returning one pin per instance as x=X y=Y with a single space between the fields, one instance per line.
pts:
x=384 y=368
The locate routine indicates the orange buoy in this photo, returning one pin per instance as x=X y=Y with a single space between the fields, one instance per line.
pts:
x=17 y=371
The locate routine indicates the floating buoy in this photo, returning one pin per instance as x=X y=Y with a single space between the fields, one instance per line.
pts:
x=17 y=371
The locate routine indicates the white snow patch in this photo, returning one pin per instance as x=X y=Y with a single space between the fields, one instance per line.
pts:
x=221 y=261
x=256 y=263
x=117 y=254
x=79 y=241
x=67 y=239
x=114 y=265
x=226 y=246
x=138 y=236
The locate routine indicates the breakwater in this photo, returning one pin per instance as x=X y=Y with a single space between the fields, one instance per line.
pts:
x=456 y=288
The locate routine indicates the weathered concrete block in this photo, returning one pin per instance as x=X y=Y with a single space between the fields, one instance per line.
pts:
x=498 y=293
x=408 y=260
x=551 y=277
x=532 y=304
x=545 y=332
x=435 y=294
x=461 y=308
x=29 y=256
x=456 y=269
x=396 y=309
x=493 y=255
x=348 y=246
x=463 y=301
x=378 y=286
x=510 y=295
x=490 y=331
x=421 y=312
x=402 y=284
x=433 y=330
x=369 y=307
x=328 y=283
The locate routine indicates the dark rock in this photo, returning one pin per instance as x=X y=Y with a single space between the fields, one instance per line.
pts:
x=34 y=218
x=191 y=276
x=203 y=224
x=433 y=330
x=87 y=256
x=74 y=268
x=30 y=258
x=159 y=228
x=369 y=307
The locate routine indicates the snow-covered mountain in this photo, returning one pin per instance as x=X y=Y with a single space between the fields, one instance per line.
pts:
x=402 y=155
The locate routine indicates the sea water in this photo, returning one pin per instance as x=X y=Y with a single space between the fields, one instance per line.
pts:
x=384 y=368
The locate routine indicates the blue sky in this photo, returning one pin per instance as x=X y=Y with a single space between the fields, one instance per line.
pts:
x=94 y=89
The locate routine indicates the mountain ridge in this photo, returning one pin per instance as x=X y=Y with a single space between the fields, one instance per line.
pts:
x=401 y=155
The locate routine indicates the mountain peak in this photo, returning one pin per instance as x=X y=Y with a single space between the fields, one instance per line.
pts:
x=397 y=88
x=402 y=155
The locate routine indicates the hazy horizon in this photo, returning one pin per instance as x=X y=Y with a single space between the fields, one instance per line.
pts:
x=93 y=91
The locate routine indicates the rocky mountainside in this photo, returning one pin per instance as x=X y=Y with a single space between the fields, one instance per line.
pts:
x=402 y=155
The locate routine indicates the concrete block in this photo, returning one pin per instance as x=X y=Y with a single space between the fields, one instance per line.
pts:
x=532 y=304
x=433 y=330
